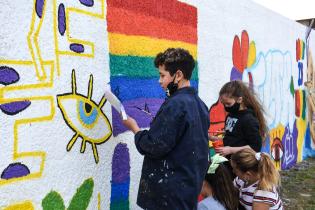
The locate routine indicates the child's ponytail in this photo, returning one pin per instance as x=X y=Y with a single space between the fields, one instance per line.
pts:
x=268 y=174
x=260 y=163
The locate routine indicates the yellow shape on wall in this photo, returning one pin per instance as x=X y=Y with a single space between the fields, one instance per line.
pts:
x=251 y=54
x=301 y=127
x=27 y=205
x=276 y=147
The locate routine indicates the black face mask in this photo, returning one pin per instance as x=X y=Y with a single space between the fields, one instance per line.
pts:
x=171 y=88
x=233 y=109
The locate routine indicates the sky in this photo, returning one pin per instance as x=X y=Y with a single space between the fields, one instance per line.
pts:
x=293 y=9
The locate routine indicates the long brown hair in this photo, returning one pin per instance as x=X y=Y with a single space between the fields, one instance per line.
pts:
x=245 y=160
x=222 y=187
x=237 y=89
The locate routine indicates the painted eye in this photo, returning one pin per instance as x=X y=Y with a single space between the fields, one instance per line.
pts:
x=85 y=117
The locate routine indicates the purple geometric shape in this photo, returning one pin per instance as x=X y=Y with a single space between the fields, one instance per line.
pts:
x=235 y=74
x=15 y=107
x=15 y=170
x=8 y=75
x=142 y=118
x=61 y=19
x=39 y=7
x=121 y=164
x=290 y=150
x=78 y=48
x=88 y=3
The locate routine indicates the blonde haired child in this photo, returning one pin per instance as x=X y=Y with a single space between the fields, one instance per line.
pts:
x=257 y=180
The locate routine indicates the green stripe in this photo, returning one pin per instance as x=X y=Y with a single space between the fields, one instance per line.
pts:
x=134 y=66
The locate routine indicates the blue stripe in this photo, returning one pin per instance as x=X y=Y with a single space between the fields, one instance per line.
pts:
x=127 y=88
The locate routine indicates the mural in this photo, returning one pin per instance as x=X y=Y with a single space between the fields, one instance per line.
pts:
x=133 y=44
x=120 y=178
x=57 y=56
x=84 y=116
x=80 y=200
x=41 y=45
x=270 y=74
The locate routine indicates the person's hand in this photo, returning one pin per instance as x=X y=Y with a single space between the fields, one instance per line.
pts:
x=227 y=150
x=131 y=124
x=213 y=138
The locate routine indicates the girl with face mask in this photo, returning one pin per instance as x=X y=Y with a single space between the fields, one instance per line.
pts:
x=245 y=125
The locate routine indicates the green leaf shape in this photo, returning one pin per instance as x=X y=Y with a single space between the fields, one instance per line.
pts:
x=53 y=201
x=292 y=87
x=81 y=199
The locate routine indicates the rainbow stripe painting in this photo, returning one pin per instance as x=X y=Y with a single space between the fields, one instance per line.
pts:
x=137 y=31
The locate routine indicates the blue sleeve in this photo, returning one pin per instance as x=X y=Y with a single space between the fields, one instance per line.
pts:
x=163 y=134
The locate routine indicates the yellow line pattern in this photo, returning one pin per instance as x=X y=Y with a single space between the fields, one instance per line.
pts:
x=39 y=66
x=99 y=201
x=85 y=43
x=33 y=38
x=26 y=205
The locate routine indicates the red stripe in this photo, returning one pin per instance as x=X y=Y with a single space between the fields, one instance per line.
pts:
x=265 y=199
x=245 y=202
x=130 y=23
x=248 y=193
x=170 y=10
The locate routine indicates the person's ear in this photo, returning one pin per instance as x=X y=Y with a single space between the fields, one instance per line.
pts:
x=179 y=75
x=239 y=100
x=248 y=175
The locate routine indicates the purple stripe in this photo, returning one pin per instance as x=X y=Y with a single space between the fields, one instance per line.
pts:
x=88 y=3
x=8 y=75
x=142 y=118
x=15 y=170
x=61 y=19
x=121 y=164
x=78 y=48
x=15 y=107
x=39 y=7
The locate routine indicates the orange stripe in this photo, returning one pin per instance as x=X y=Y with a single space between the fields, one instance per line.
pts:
x=140 y=24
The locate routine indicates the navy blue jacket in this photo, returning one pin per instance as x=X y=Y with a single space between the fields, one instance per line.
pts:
x=175 y=150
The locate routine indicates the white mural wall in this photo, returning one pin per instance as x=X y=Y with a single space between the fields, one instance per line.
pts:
x=61 y=144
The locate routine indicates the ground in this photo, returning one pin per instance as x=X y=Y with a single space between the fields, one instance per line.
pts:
x=298 y=186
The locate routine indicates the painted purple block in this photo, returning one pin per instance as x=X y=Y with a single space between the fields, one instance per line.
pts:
x=142 y=118
x=15 y=107
x=8 y=75
x=78 y=48
x=290 y=150
x=39 y=5
x=121 y=164
x=235 y=74
x=61 y=19
x=88 y=3
x=300 y=79
x=15 y=170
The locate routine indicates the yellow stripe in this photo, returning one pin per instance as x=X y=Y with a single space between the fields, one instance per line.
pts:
x=120 y=44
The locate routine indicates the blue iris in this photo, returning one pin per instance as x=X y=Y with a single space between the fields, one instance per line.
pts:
x=88 y=114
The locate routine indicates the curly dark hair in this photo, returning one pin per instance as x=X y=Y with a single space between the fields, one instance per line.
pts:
x=176 y=59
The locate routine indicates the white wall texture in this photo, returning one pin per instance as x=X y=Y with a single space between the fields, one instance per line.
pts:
x=48 y=110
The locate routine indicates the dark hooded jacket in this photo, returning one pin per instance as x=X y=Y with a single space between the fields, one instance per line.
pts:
x=241 y=129
x=175 y=150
